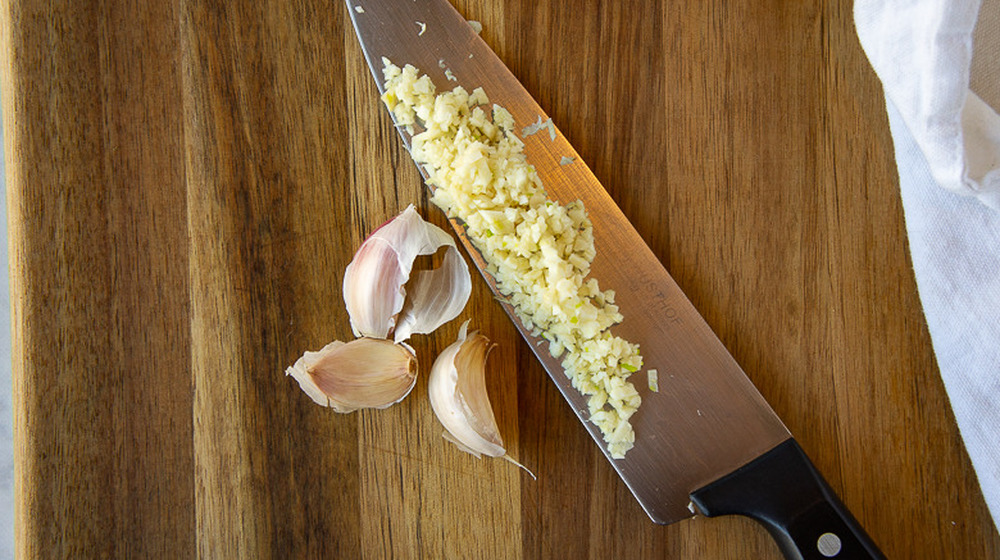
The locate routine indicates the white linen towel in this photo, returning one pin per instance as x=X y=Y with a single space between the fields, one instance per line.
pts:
x=947 y=143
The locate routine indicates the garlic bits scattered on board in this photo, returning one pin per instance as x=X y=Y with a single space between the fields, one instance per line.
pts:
x=382 y=300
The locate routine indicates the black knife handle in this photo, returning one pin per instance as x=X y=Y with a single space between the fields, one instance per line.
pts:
x=783 y=491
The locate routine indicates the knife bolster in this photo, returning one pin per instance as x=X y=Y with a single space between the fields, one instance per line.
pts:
x=783 y=491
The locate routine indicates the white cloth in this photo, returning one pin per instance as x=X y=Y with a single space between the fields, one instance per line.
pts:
x=922 y=51
x=947 y=142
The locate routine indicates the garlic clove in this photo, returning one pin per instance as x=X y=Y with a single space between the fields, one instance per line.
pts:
x=457 y=389
x=373 y=288
x=375 y=282
x=363 y=373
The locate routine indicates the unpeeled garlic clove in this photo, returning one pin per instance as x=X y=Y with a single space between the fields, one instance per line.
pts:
x=363 y=373
x=376 y=281
x=457 y=388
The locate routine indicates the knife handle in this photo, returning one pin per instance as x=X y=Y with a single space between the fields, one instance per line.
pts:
x=783 y=491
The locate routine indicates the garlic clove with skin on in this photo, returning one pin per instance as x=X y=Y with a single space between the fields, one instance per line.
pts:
x=363 y=373
x=457 y=389
x=377 y=281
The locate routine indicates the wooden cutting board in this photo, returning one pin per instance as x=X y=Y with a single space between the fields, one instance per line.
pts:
x=187 y=180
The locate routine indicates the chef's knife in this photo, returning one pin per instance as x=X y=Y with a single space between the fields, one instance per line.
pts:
x=707 y=441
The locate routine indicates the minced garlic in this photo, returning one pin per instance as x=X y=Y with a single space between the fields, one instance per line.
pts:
x=538 y=250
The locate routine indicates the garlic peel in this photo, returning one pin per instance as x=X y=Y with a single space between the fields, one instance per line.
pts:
x=461 y=446
x=435 y=296
x=375 y=282
x=457 y=389
x=300 y=371
x=373 y=288
x=363 y=373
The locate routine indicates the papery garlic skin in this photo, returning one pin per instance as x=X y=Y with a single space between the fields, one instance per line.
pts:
x=375 y=282
x=363 y=373
x=435 y=296
x=373 y=288
x=457 y=389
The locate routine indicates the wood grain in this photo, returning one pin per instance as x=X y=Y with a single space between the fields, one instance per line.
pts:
x=99 y=280
x=188 y=179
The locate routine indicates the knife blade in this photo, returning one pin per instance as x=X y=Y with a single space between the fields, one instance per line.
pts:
x=707 y=439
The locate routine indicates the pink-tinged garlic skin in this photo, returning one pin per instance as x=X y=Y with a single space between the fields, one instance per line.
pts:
x=363 y=373
x=457 y=389
x=375 y=271
x=377 y=282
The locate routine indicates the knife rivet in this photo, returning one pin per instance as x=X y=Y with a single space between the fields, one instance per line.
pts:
x=828 y=545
